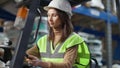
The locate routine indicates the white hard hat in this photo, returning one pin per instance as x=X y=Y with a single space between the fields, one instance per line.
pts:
x=62 y=5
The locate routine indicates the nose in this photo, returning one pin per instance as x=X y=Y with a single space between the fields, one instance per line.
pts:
x=50 y=18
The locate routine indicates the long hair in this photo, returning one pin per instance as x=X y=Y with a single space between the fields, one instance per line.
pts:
x=66 y=26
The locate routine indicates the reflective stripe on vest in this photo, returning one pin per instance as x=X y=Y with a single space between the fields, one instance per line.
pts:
x=55 y=54
x=55 y=57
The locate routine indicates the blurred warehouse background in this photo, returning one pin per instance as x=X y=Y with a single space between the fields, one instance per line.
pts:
x=90 y=21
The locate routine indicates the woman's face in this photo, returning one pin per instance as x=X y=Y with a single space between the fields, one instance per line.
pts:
x=53 y=18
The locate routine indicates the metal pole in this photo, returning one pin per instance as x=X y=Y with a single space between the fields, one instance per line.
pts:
x=18 y=58
x=118 y=12
x=109 y=36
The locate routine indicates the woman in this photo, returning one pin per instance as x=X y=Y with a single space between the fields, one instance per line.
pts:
x=58 y=49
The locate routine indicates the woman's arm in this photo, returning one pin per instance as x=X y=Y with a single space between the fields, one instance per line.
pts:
x=69 y=59
x=33 y=51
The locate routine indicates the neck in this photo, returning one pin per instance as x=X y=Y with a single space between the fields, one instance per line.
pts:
x=57 y=31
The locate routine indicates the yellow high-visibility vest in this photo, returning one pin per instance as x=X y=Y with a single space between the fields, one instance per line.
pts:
x=48 y=54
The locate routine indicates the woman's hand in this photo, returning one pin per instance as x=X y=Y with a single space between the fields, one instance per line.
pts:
x=33 y=60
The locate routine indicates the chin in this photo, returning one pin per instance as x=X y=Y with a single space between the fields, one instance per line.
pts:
x=51 y=26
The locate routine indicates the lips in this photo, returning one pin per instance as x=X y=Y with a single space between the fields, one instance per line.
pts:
x=51 y=23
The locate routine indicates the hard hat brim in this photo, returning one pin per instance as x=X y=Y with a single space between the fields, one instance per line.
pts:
x=46 y=8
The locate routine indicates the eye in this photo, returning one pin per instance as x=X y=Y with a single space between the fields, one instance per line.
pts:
x=55 y=15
